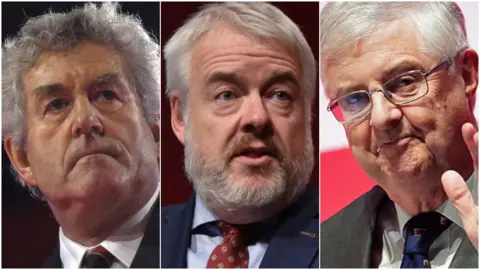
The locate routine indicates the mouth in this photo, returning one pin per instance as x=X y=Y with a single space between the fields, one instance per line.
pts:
x=94 y=156
x=397 y=144
x=255 y=156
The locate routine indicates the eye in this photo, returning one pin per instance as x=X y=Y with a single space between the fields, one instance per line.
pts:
x=405 y=81
x=282 y=95
x=107 y=95
x=225 y=95
x=355 y=98
x=57 y=105
x=354 y=101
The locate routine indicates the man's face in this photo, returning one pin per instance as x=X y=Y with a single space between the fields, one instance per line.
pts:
x=414 y=142
x=87 y=138
x=247 y=141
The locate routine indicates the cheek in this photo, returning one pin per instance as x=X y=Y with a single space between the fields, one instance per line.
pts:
x=358 y=135
x=209 y=134
x=292 y=134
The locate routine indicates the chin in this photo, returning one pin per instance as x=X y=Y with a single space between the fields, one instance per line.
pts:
x=411 y=164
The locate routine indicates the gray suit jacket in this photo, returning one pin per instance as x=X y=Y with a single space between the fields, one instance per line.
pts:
x=347 y=237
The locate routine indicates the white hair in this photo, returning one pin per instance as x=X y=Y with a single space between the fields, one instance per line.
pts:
x=101 y=23
x=259 y=19
x=440 y=26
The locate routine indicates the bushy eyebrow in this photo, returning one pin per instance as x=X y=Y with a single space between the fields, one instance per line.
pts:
x=229 y=77
x=389 y=73
x=284 y=77
x=233 y=78
x=109 y=78
x=48 y=90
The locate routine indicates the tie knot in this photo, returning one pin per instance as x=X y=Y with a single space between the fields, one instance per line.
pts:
x=97 y=257
x=430 y=223
x=230 y=229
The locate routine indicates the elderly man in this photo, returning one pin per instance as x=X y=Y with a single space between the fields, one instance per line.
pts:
x=80 y=96
x=402 y=80
x=241 y=80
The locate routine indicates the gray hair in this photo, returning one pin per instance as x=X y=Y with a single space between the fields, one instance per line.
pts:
x=440 y=26
x=103 y=24
x=259 y=19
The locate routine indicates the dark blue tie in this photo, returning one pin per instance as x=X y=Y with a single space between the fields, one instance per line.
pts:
x=420 y=232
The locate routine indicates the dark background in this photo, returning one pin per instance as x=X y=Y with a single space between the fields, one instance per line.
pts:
x=29 y=231
x=175 y=186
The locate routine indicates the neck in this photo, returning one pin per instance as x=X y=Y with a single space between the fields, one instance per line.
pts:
x=91 y=221
x=418 y=196
x=246 y=214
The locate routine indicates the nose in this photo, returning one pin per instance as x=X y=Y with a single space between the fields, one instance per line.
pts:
x=85 y=120
x=256 y=117
x=385 y=115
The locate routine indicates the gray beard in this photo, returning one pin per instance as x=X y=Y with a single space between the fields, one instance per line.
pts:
x=281 y=184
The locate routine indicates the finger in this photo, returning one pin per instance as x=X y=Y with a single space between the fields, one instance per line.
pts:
x=470 y=136
x=461 y=198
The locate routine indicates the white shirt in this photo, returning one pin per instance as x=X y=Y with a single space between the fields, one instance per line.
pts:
x=122 y=243
x=443 y=248
x=202 y=245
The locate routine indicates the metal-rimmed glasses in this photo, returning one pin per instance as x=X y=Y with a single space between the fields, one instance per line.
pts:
x=404 y=88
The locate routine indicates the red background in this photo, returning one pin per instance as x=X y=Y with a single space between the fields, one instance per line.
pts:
x=342 y=181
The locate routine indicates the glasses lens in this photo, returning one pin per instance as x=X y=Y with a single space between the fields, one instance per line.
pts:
x=406 y=87
x=350 y=107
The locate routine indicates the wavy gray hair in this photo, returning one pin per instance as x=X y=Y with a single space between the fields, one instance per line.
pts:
x=259 y=19
x=104 y=24
x=440 y=26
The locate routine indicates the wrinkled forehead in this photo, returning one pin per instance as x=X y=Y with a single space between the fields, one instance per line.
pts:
x=366 y=61
x=227 y=46
x=224 y=35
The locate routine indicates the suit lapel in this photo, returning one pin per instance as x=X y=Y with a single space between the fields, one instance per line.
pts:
x=176 y=227
x=148 y=254
x=352 y=227
x=466 y=256
x=54 y=260
x=295 y=242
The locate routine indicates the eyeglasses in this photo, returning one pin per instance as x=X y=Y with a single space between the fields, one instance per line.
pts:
x=405 y=88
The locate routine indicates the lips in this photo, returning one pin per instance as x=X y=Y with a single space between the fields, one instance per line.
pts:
x=98 y=149
x=394 y=144
x=256 y=152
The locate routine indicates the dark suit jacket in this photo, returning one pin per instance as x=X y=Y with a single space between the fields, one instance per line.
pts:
x=294 y=244
x=148 y=254
x=347 y=237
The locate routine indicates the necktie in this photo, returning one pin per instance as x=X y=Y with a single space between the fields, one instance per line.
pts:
x=420 y=233
x=232 y=252
x=97 y=257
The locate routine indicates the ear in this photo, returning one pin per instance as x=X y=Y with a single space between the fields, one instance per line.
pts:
x=155 y=128
x=19 y=160
x=177 y=121
x=469 y=69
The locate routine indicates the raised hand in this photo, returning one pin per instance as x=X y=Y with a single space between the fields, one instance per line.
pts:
x=457 y=191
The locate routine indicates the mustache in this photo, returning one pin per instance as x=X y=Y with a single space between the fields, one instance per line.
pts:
x=250 y=141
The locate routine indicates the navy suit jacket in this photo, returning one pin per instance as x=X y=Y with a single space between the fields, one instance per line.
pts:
x=294 y=244
x=348 y=236
x=147 y=255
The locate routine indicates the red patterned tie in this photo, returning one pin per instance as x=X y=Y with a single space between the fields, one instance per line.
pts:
x=232 y=252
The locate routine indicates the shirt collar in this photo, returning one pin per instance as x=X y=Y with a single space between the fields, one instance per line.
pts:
x=202 y=214
x=446 y=209
x=122 y=243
